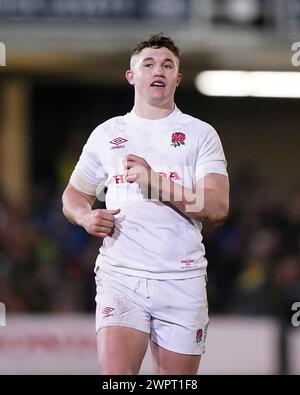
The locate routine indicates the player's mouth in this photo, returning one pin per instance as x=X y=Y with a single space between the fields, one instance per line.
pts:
x=158 y=84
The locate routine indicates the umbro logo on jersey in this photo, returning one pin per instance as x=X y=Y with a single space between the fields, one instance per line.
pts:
x=107 y=311
x=118 y=143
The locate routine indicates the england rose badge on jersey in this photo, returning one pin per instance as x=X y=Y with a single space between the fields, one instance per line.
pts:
x=178 y=139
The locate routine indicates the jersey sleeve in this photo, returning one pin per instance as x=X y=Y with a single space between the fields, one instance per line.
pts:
x=211 y=157
x=89 y=175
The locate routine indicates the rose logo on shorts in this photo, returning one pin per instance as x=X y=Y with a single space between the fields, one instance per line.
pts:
x=107 y=310
x=199 y=336
x=178 y=139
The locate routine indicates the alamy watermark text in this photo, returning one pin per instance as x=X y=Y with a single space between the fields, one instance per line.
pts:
x=296 y=316
x=2 y=314
x=296 y=56
x=2 y=54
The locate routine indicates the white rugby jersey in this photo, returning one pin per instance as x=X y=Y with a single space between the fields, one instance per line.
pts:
x=150 y=238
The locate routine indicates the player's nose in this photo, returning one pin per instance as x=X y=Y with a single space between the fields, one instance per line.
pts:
x=159 y=71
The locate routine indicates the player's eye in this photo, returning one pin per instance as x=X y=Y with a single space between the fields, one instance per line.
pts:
x=148 y=64
x=168 y=66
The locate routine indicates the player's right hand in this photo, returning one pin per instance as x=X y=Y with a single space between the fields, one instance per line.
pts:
x=100 y=222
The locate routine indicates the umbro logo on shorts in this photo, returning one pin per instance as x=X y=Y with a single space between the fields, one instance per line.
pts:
x=107 y=310
x=118 y=143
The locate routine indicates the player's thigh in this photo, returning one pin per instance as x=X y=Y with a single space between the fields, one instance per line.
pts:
x=169 y=362
x=121 y=349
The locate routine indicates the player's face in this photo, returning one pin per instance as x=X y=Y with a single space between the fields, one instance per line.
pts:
x=155 y=75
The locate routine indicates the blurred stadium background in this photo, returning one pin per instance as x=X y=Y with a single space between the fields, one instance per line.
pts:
x=64 y=74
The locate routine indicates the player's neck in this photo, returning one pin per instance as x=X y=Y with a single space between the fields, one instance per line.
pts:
x=148 y=111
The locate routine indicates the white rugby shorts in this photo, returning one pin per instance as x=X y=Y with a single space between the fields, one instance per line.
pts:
x=174 y=312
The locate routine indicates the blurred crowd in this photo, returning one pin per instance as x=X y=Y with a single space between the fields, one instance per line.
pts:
x=255 y=257
x=46 y=264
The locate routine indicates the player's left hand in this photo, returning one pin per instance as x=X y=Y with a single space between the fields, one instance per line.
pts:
x=138 y=170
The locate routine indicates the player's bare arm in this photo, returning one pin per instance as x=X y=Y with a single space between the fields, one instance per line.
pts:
x=77 y=208
x=207 y=203
x=210 y=200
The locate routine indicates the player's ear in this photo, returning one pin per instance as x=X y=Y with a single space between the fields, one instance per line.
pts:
x=179 y=78
x=129 y=77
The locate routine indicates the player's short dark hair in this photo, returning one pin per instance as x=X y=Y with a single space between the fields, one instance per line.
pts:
x=157 y=41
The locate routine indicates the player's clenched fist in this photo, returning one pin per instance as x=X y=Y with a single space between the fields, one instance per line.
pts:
x=137 y=170
x=100 y=222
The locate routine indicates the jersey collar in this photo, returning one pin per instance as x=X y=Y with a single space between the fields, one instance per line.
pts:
x=133 y=117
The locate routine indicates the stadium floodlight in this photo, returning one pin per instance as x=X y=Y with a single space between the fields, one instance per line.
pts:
x=249 y=83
